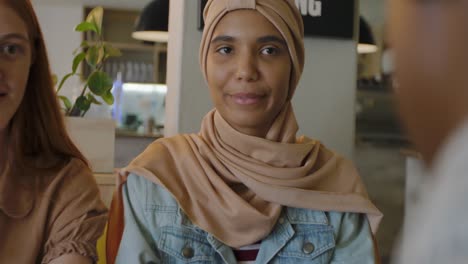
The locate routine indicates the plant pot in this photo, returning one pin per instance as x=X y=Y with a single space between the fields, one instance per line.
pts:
x=95 y=138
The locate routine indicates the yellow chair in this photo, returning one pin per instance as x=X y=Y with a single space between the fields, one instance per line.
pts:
x=108 y=243
x=101 y=247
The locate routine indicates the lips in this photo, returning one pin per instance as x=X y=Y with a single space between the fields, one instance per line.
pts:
x=247 y=98
x=3 y=90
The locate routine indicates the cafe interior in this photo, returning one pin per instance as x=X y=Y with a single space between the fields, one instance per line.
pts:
x=344 y=99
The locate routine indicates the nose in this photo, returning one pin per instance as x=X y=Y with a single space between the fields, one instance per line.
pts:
x=247 y=68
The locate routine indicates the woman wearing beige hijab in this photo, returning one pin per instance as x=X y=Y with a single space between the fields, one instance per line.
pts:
x=246 y=189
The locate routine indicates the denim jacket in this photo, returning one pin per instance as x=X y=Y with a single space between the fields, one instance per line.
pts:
x=157 y=231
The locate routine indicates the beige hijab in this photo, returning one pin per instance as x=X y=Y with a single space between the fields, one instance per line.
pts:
x=233 y=185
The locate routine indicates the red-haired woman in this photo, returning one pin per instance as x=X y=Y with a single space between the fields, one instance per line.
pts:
x=50 y=210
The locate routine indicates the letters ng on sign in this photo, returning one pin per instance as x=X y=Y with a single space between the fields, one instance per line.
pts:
x=322 y=18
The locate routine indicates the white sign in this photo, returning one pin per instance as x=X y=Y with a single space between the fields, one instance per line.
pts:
x=310 y=7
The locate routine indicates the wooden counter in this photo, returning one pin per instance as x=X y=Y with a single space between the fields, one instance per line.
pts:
x=106 y=183
x=134 y=134
x=409 y=152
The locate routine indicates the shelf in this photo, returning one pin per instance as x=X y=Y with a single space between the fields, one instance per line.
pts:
x=130 y=46
x=105 y=178
x=134 y=47
x=134 y=134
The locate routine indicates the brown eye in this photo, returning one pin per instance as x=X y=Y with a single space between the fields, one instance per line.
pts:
x=10 y=50
x=224 y=50
x=269 y=51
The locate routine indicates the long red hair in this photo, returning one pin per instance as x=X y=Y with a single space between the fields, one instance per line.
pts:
x=37 y=129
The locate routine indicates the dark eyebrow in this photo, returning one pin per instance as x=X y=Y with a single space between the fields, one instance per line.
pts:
x=261 y=40
x=14 y=36
x=222 y=38
x=272 y=38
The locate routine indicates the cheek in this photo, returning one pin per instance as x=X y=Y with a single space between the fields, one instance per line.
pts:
x=19 y=78
x=400 y=38
x=217 y=77
x=214 y=87
x=425 y=48
x=15 y=74
x=280 y=79
x=410 y=44
x=283 y=89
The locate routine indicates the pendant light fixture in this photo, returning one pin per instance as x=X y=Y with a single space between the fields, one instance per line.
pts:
x=152 y=24
x=366 y=43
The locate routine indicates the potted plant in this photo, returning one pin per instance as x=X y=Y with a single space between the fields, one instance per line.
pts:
x=94 y=137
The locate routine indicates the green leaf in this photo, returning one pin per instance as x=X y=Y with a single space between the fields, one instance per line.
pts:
x=86 y=26
x=111 y=51
x=93 y=99
x=84 y=44
x=54 y=79
x=108 y=97
x=95 y=17
x=99 y=83
x=66 y=102
x=82 y=103
x=64 y=79
x=94 y=56
x=77 y=60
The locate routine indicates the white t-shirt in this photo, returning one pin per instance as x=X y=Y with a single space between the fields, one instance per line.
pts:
x=437 y=232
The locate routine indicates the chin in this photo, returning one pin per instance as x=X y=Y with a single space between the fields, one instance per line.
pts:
x=3 y=126
x=4 y=122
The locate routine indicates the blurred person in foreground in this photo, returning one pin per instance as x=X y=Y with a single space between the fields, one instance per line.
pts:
x=430 y=40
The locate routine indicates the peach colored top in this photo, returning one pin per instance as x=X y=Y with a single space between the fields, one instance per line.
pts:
x=59 y=213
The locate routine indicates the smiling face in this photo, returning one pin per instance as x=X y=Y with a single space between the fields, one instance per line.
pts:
x=248 y=71
x=15 y=60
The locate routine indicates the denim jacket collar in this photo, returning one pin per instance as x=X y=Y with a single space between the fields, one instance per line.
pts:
x=281 y=235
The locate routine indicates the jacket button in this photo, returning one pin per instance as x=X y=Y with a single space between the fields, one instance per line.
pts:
x=281 y=220
x=308 y=248
x=187 y=252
